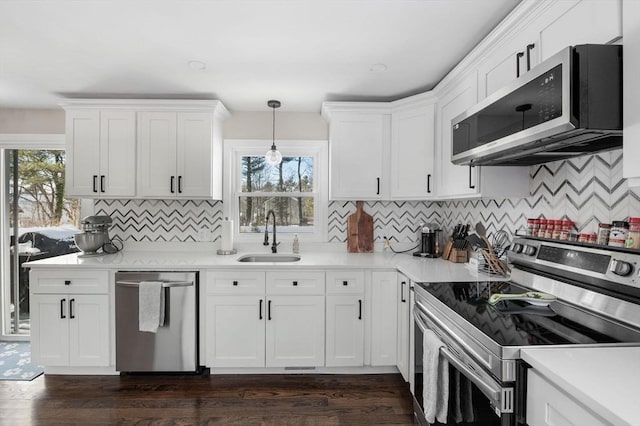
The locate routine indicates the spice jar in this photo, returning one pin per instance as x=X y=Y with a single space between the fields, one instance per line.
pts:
x=618 y=234
x=557 y=229
x=542 y=229
x=633 y=237
x=567 y=226
x=548 y=232
x=583 y=238
x=603 y=233
x=531 y=230
x=592 y=238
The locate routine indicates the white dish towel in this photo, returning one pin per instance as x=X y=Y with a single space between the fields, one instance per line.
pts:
x=435 y=379
x=150 y=306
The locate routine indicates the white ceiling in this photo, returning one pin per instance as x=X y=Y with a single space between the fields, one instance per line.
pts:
x=301 y=52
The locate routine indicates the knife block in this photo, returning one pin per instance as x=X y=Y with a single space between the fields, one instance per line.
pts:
x=455 y=255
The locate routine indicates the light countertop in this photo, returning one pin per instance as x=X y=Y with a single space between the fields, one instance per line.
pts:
x=416 y=269
x=607 y=380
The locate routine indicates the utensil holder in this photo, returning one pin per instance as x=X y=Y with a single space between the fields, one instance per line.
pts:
x=494 y=263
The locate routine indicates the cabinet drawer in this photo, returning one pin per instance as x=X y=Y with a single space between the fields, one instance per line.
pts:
x=69 y=282
x=235 y=282
x=295 y=282
x=345 y=282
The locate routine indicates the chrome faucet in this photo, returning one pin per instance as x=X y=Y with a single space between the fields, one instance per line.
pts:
x=274 y=246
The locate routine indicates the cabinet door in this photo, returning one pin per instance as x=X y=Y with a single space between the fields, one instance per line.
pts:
x=454 y=180
x=548 y=405
x=50 y=329
x=82 y=128
x=358 y=150
x=403 y=326
x=412 y=151
x=384 y=318
x=157 y=154
x=295 y=331
x=580 y=22
x=194 y=155
x=89 y=335
x=345 y=331
x=117 y=154
x=235 y=331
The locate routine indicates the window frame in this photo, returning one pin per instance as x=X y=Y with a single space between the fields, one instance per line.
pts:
x=235 y=149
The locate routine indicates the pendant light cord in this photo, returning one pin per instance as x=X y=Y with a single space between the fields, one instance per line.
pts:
x=273 y=143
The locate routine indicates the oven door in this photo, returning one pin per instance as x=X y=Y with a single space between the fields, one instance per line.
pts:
x=475 y=397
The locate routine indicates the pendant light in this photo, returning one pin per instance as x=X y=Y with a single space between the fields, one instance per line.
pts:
x=273 y=156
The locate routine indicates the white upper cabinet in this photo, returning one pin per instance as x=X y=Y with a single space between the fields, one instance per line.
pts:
x=359 y=135
x=412 y=173
x=144 y=148
x=180 y=152
x=543 y=29
x=101 y=147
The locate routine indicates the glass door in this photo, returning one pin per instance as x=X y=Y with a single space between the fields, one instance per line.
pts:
x=38 y=222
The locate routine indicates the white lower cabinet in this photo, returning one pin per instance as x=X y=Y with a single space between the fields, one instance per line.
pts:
x=70 y=330
x=295 y=331
x=345 y=319
x=236 y=336
x=264 y=319
x=549 y=405
x=404 y=312
x=384 y=318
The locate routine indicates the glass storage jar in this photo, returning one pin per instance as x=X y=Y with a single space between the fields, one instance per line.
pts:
x=633 y=237
x=618 y=234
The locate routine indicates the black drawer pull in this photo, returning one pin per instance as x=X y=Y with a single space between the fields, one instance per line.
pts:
x=67 y=282
x=95 y=183
x=179 y=184
x=429 y=183
x=378 y=190
x=471 y=186
x=402 y=299
x=71 y=308
x=235 y=283
x=62 y=315
x=359 y=309
x=260 y=310
x=518 y=56
x=529 y=47
x=102 y=184
x=295 y=283
x=172 y=184
x=269 y=310
x=345 y=282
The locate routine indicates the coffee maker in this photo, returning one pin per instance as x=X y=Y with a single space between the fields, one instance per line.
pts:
x=429 y=245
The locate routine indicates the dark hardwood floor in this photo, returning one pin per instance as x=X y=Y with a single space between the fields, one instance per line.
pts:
x=221 y=399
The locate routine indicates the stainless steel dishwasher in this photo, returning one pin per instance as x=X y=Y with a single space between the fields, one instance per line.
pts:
x=174 y=347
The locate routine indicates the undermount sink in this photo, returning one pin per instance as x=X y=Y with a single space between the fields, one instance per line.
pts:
x=266 y=257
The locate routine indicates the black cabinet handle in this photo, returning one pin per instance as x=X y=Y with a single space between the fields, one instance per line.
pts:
x=179 y=184
x=95 y=183
x=378 y=190
x=62 y=316
x=71 y=308
x=102 y=185
x=529 y=47
x=471 y=186
x=67 y=282
x=172 y=184
x=429 y=183
x=402 y=299
x=345 y=282
x=260 y=310
x=235 y=283
x=518 y=56
x=295 y=283
x=359 y=309
x=269 y=310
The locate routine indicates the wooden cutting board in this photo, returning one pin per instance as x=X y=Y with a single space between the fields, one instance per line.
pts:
x=360 y=231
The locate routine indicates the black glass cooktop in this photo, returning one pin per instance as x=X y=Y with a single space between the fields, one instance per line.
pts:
x=518 y=323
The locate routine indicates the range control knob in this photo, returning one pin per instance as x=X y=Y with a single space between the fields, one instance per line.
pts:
x=621 y=268
x=529 y=250
x=516 y=248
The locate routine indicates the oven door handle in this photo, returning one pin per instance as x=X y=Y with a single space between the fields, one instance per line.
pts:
x=494 y=393
x=424 y=311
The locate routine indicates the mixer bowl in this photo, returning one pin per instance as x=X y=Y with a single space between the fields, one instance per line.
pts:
x=90 y=242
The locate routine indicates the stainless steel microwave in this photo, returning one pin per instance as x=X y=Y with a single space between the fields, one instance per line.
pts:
x=568 y=105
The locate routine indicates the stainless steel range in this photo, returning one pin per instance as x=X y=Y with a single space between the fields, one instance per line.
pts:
x=597 y=303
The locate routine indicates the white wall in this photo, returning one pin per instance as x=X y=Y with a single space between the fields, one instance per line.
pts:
x=31 y=121
x=289 y=125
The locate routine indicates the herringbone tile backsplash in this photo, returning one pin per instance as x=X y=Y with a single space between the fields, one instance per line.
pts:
x=587 y=190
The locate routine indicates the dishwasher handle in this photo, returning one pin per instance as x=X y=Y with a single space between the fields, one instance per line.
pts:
x=165 y=284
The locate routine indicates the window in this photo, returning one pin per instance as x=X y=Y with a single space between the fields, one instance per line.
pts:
x=296 y=189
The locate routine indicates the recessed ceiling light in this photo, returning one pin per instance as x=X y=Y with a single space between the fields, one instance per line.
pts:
x=197 y=65
x=378 y=68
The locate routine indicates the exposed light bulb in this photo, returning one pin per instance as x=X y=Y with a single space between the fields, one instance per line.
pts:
x=273 y=156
